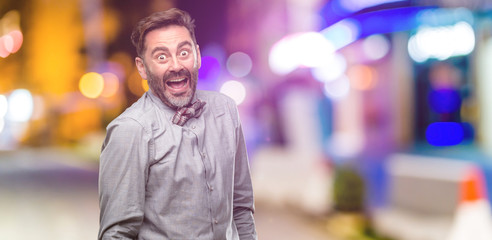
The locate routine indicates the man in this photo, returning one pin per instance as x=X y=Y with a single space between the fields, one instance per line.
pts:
x=174 y=164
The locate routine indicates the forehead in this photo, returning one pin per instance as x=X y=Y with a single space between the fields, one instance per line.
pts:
x=168 y=36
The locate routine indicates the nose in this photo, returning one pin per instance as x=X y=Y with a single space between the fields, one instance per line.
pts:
x=176 y=64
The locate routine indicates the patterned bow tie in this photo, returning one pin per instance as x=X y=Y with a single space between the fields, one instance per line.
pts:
x=192 y=110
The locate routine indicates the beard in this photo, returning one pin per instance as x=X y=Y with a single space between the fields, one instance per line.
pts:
x=159 y=87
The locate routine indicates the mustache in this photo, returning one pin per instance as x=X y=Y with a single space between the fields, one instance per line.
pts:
x=174 y=74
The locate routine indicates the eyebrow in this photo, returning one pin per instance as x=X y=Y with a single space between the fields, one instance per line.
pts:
x=182 y=44
x=165 y=49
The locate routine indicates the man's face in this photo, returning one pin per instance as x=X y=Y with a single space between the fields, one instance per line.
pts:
x=170 y=63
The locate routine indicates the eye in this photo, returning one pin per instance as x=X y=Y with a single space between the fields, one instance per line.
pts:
x=161 y=57
x=184 y=53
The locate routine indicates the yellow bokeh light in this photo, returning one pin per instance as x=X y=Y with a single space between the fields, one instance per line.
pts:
x=111 y=84
x=55 y=36
x=135 y=84
x=145 y=85
x=91 y=84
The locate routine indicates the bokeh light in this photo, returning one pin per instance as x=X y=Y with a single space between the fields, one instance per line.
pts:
x=414 y=52
x=362 y=77
x=342 y=33
x=345 y=144
x=20 y=106
x=375 y=46
x=111 y=84
x=214 y=50
x=3 y=50
x=444 y=133
x=235 y=90
x=337 y=89
x=309 y=49
x=210 y=69
x=39 y=110
x=3 y=106
x=239 y=64
x=8 y=43
x=145 y=85
x=11 y=38
x=17 y=39
x=2 y=125
x=444 y=100
x=434 y=42
x=465 y=41
x=91 y=84
x=312 y=49
x=135 y=83
x=279 y=59
x=331 y=69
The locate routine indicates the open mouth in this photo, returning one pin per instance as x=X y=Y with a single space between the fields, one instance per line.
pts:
x=177 y=83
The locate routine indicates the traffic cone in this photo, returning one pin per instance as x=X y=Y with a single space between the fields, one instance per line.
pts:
x=472 y=220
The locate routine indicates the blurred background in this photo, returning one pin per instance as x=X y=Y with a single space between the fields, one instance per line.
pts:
x=364 y=119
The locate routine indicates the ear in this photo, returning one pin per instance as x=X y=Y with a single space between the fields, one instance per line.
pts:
x=141 y=67
x=198 y=57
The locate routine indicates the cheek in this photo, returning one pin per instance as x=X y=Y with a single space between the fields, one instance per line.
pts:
x=157 y=72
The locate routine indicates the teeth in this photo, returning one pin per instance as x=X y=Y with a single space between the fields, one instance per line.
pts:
x=177 y=80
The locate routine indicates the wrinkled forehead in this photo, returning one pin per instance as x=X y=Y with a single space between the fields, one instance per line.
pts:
x=167 y=36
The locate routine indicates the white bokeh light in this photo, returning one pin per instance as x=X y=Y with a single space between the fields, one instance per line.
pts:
x=239 y=64
x=345 y=144
x=337 y=89
x=435 y=42
x=20 y=106
x=280 y=58
x=2 y=124
x=414 y=51
x=375 y=46
x=3 y=106
x=235 y=90
x=465 y=41
x=331 y=69
x=310 y=49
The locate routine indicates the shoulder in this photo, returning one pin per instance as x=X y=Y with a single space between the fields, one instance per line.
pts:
x=216 y=99
x=219 y=103
x=138 y=116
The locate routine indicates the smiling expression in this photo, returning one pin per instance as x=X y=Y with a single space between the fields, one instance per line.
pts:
x=170 y=63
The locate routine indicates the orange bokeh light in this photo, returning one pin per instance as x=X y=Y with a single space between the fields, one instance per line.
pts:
x=111 y=84
x=362 y=77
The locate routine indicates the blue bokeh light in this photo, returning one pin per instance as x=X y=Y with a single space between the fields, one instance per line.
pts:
x=445 y=133
x=444 y=100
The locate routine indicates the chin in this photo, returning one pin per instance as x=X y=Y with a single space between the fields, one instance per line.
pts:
x=180 y=101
